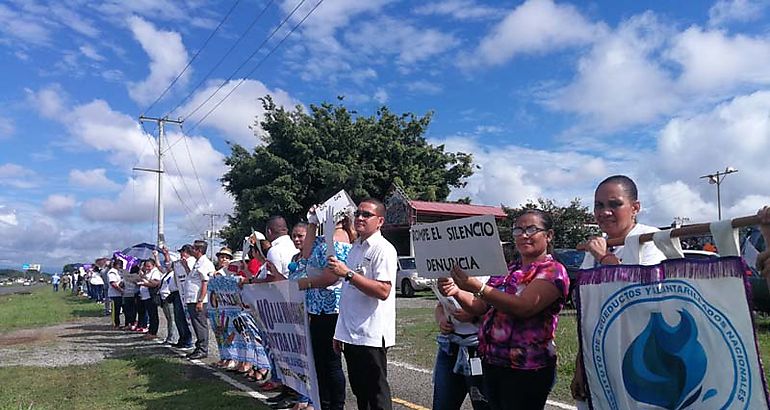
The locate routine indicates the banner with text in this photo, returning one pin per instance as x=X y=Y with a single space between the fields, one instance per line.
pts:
x=472 y=243
x=236 y=331
x=279 y=309
x=677 y=335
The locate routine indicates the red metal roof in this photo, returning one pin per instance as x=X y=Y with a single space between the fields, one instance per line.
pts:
x=446 y=208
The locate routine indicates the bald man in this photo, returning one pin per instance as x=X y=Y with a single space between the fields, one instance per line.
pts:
x=281 y=251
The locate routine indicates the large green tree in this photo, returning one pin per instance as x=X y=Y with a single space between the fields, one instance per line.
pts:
x=573 y=223
x=306 y=158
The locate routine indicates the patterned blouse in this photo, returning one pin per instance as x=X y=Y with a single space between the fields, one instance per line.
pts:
x=324 y=300
x=519 y=343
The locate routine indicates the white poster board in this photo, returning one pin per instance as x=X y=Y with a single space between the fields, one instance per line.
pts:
x=472 y=243
x=338 y=202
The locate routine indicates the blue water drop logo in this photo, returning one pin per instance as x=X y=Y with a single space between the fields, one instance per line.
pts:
x=665 y=365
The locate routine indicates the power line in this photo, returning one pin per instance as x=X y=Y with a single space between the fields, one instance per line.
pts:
x=205 y=43
x=195 y=171
x=261 y=45
x=258 y=64
x=184 y=184
x=222 y=59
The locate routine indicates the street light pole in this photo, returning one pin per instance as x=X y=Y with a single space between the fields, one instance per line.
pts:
x=717 y=178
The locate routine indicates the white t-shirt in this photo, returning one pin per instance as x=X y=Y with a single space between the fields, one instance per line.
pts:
x=165 y=284
x=96 y=279
x=365 y=320
x=113 y=276
x=144 y=291
x=200 y=273
x=649 y=254
x=280 y=254
x=180 y=275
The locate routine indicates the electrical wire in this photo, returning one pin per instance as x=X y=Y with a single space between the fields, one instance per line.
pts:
x=195 y=171
x=184 y=184
x=261 y=45
x=222 y=59
x=197 y=53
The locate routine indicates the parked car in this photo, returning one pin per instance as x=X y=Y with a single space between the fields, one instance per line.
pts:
x=407 y=278
x=571 y=259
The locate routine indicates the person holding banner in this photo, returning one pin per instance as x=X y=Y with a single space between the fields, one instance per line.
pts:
x=763 y=259
x=178 y=291
x=281 y=251
x=115 y=291
x=516 y=334
x=322 y=299
x=616 y=205
x=366 y=326
x=149 y=286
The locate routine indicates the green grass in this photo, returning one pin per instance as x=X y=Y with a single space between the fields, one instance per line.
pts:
x=416 y=332
x=43 y=307
x=129 y=383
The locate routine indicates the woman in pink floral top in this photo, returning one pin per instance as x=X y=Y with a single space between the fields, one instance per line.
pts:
x=516 y=336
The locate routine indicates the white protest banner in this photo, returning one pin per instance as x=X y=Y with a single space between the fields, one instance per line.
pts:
x=329 y=231
x=472 y=243
x=279 y=310
x=340 y=201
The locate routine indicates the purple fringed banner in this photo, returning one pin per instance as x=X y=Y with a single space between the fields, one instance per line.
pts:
x=675 y=335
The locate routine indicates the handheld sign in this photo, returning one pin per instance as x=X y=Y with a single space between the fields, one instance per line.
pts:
x=329 y=231
x=337 y=203
x=472 y=243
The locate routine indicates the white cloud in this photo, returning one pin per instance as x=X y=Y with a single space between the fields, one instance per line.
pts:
x=17 y=176
x=49 y=101
x=8 y=216
x=536 y=26
x=168 y=57
x=90 y=52
x=618 y=83
x=381 y=96
x=76 y=22
x=92 y=179
x=239 y=111
x=7 y=127
x=522 y=173
x=59 y=205
x=714 y=61
x=459 y=10
x=388 y=36
x=726 y=11
x=734 y=133
x=21 y=27
x=424 y=87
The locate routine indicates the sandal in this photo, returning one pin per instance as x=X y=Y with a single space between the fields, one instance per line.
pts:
x=262 y=378
x=244 y=370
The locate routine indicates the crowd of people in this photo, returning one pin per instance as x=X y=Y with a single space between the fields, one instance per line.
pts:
x=496 y=344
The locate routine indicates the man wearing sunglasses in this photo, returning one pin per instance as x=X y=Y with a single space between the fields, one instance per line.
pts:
x=366 y=326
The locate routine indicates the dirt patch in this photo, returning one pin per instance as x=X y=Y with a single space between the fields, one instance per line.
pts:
x=30 y=336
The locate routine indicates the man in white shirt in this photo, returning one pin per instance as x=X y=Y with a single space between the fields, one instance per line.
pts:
x=366 y=326
x=178 y=296
x=197 y=297
x=282 y=249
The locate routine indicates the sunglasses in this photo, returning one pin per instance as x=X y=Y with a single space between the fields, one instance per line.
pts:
x=529 y=231
x=365 y=214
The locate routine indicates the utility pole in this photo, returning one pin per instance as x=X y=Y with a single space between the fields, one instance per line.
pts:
x=716 y=179
x=159 y=171
x=211 y=233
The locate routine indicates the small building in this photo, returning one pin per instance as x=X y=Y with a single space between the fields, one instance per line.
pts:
x=403 y=212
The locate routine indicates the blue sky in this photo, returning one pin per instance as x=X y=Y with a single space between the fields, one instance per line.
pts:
x=549 y=96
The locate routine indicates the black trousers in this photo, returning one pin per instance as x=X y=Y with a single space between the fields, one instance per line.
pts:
x=200 y=324
x=117 y=304
x=368 y=375
x=508 y=388
x=328 y=363
x=129 y=307
x=180 y=319
x=152 y=313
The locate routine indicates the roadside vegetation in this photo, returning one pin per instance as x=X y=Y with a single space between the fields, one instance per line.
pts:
x=154 y=382
x=40 y=306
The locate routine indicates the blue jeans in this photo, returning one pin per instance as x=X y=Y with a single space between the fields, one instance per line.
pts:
x=450 y=388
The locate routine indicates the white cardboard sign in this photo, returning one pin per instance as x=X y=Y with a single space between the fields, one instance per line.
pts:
x=338 y=202
x=472 y=243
